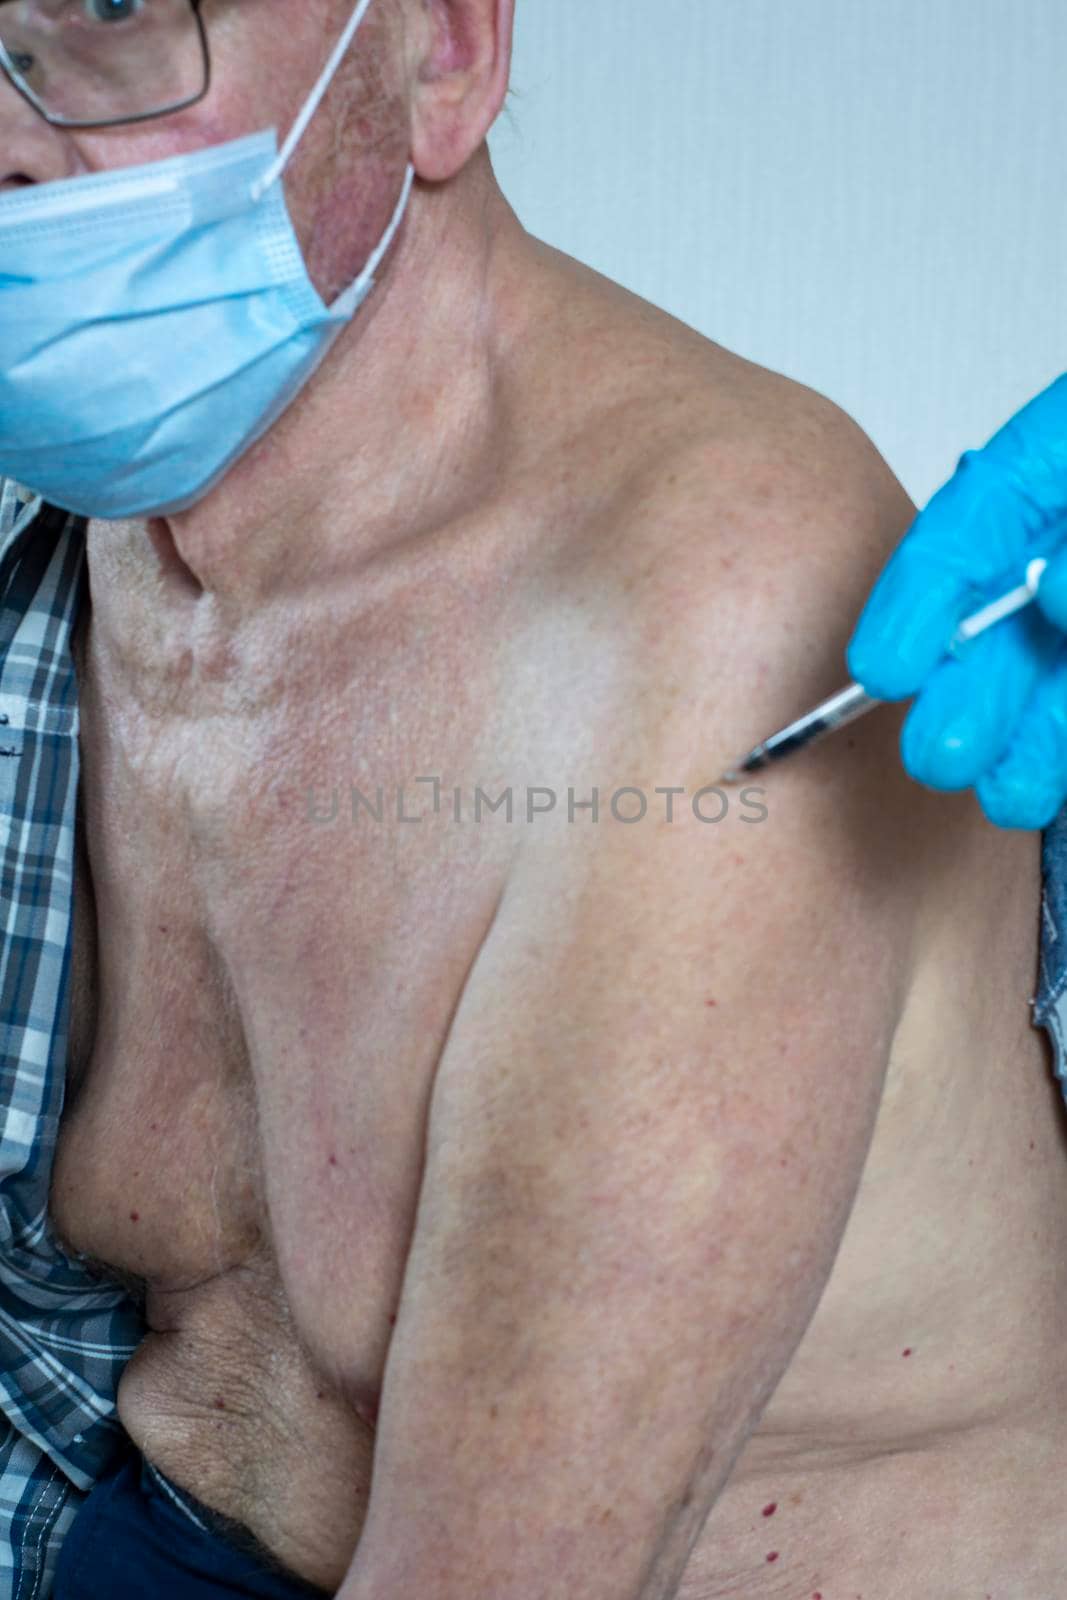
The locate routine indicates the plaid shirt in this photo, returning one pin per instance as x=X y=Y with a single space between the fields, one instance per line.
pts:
x=65 y=1337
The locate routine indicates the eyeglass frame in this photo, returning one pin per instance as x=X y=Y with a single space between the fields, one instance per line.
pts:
x=10 y=72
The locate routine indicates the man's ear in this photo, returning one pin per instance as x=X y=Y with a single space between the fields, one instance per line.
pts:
x=462 y=62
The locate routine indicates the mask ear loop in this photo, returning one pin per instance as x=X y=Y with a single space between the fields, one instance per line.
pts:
x=351 y=298
x=311 y=105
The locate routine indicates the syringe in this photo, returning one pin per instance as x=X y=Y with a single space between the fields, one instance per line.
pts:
x=853 y=701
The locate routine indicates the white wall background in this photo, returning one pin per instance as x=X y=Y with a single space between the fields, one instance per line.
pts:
x=867 y=195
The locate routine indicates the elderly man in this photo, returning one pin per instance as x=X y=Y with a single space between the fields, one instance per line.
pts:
x=528 y=1174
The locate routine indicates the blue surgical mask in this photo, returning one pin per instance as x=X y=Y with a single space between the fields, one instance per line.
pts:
x=155 y=321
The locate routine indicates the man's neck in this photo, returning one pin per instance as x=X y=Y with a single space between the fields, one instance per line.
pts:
x=399 y=432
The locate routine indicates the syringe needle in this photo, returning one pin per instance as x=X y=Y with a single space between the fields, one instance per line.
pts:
x=853 y=701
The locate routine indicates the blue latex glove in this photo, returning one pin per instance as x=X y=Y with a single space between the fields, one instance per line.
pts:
x=995 y=716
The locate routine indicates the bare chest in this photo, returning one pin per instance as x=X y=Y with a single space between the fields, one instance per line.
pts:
x=288 y=902
x=279 y=899
x=272 y=930
x=954 y=1517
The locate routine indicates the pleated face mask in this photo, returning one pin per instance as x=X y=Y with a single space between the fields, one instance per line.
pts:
x=155 y=321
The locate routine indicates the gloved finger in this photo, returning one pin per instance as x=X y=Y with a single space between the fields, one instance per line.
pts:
x=1031 y=449
x=972 y=535
x=1052 y=591
x=1028 y=785
x=964 y=719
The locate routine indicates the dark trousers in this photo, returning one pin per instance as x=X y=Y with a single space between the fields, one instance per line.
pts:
x=137 y=1536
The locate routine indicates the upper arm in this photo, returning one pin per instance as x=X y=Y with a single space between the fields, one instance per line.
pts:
x=651 y=1117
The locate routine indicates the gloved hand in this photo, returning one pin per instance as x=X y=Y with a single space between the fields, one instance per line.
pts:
x=994 y=716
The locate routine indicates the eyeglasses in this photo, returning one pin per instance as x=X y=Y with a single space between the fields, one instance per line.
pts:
x=97 y=63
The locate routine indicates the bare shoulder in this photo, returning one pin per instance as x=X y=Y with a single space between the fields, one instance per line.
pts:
x=778 y=502
x=738 y=521
x=749 y=519
x=698 y=439
x=762 y=539
x=745 y=521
